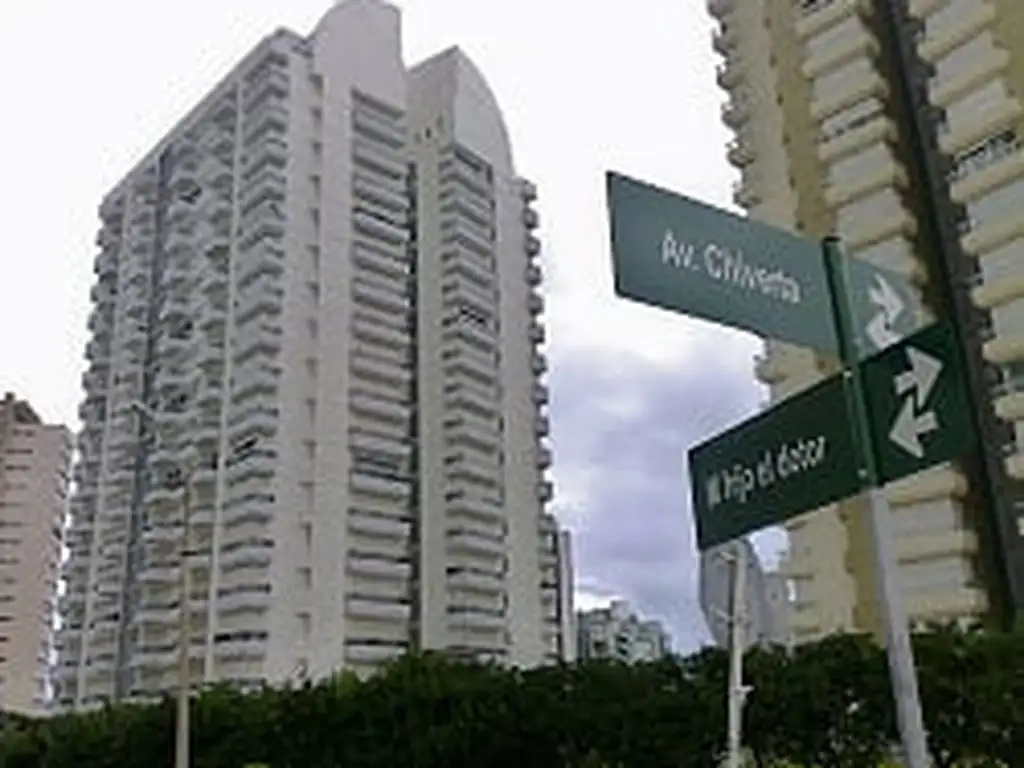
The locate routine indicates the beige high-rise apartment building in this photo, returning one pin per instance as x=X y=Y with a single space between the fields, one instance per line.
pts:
x=896 y=124
x=34 y=463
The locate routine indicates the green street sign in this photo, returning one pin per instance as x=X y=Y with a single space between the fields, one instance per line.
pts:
x=679 y=254
x=798 y=456
x=917 y=403
x=884 y=305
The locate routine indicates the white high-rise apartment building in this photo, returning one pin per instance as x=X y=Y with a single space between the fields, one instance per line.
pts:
x=316 y=307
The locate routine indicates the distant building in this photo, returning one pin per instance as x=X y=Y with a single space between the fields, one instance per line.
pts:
x=34 y=460
x=617 y=633
x=777 y=604
x=557 y=591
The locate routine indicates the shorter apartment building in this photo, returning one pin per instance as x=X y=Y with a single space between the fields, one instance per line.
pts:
x=557 y=589
x=616 y=632
x=34 y=462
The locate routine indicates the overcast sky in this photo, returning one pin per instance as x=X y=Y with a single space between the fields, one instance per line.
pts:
x=585 y=87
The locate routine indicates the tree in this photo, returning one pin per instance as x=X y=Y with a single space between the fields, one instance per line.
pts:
x=824 y=704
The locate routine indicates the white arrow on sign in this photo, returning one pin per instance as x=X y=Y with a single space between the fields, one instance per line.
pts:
x=918 y=382
x=924 y=372
x=890 y=306
x=909 y=427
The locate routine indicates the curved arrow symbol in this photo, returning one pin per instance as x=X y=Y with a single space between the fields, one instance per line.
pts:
x=890 y=306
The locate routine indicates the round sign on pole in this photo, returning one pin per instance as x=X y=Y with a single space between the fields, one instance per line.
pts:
x=716 y=571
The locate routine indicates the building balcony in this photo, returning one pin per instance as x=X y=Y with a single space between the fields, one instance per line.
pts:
x=955 y=139
x=544 y=458
x=955 y=24
x=983 y=69
x=888 y=175
x=745 y=196
x=468 y=429
x=385 y=298
x=475 y=543
x=527 y=190
x=539 y=364
x=373 y=610
x=473 y=580
x=460 y=358
x=860 y=43
x=730 y=74
x=871 y=130
x=472 y=508
x=947 y=604
x=369 y=485
x=371 y=655
x=997 y=165
x=545 y=491
x=379 y=526
x=735 y=113
x=987 y=236
x=769 y=369
x=249 y=600
x=459 y=262
x=531 y=219
x=535 y=303
x=380 y=409
x=868 y=232
x=813 y=16
x=532 y=246
x=928 y=547
x=740 y=153
x=534 y=276
x=825 y=103
x=378 y=568
x=476 y=621
x=720 y=8
x=724 y=40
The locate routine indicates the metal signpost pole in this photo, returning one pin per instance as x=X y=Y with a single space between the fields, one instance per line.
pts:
x=737 y=627
x=893 y=616
x=181 y=742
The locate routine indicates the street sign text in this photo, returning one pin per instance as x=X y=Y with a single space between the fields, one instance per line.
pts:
x=796 y=457
x=678 y=254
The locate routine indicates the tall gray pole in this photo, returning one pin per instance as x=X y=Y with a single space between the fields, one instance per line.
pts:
x=181 y=741
x=900 y=654
x=737 y=627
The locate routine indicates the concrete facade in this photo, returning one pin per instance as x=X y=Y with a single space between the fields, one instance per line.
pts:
x=34 y=464
x=895 y=125
x=324 y=284
x=617 y=633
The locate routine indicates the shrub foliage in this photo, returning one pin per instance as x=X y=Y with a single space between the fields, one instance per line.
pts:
x=824 y=704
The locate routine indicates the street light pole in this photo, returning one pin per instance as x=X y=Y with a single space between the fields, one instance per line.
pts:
x=181 y=741
x=737 y=643
x=181 y=732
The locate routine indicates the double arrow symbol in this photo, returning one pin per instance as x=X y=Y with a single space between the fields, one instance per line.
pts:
x=912 y=421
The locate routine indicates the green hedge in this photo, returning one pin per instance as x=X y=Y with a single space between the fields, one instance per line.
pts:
x=826 y=704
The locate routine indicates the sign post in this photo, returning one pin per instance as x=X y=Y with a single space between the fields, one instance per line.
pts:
x=904 y=398
x=890 y=594
x=737 y=632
